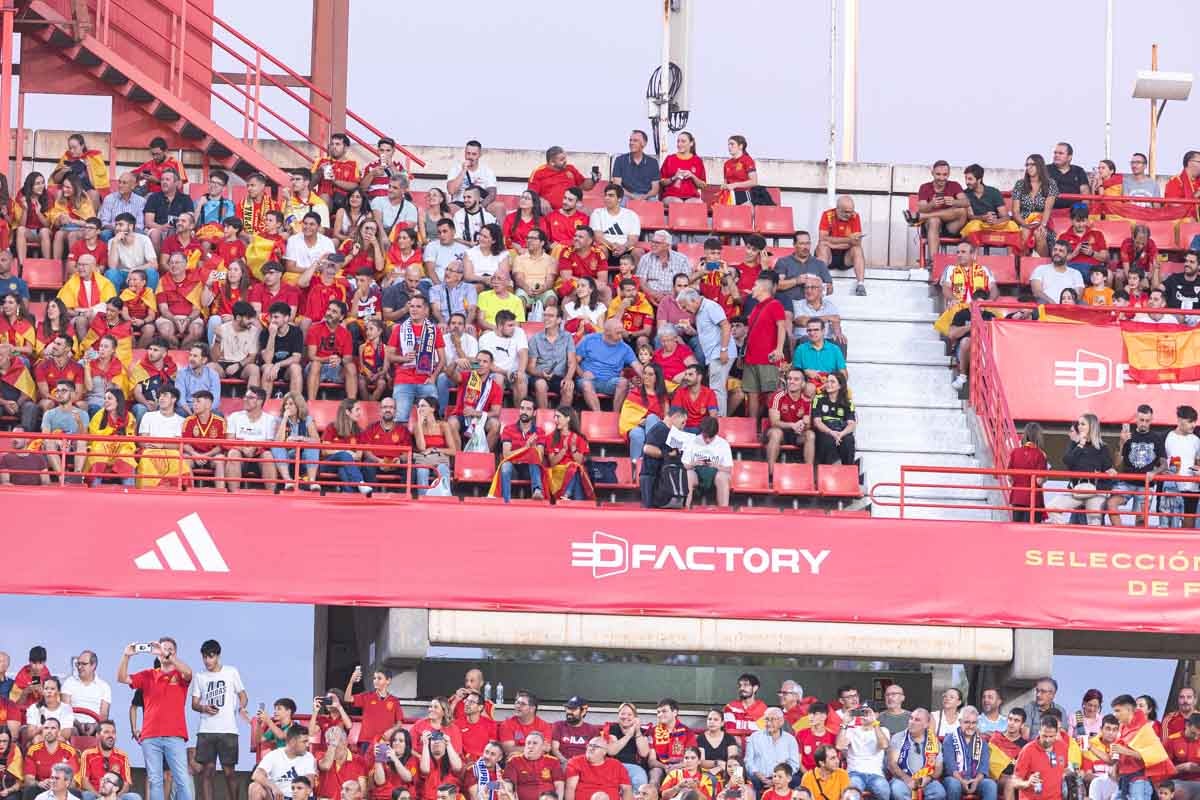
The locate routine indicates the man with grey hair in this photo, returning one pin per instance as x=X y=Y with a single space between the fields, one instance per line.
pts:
x=768 y=747
x=58 y=787
x=394 y=208
x=714 y=334
x=352 y=790
x=1043 y=700
x=790 y=693
x=657 y=268
x=966 y=757
x=914 y=768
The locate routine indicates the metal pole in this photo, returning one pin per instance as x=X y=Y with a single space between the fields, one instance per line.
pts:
x=1108 y=79
x=6 y=80
x=1153 y=116
x=850 y=83
x=831 y=157
x=664 y=82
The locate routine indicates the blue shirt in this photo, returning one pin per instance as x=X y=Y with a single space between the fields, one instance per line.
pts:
x=114 y=204
x=636 y=178
x=188 y=383
x=602 y=359
x=14 y=285
x=763 y=752
x=56 y=420
x=828 y=359
x=966 y=763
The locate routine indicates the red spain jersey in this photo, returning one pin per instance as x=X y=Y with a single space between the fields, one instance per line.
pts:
x=808 y=742
x=533 y=777
x=39 y=761
x=154 y=183
x=320 y=294
x=669 y=743
x=551 y=184
x=329 y=342
x=100 y=251
x=583 y=265
x=739 y=169
x=378 y=714
x=329 y=783
x=94 y=762
x=561 y=228
x=392 y=781
x=791 y=410
x=137 y=305
x=698 y=407
x=1092 y=236
x=193 y=428
x=177 y=296
x=513 y=730
x=345 y=169
x=1182 y=749
x=710 y=287
x=742 y=721
x=840 y=228
x=165 y=694
x=49 y=372
x=287 y=293
x=747 y=275
x=192 y=251
x=475 y=737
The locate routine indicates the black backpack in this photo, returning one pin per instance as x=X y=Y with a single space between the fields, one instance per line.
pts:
x=671 y=486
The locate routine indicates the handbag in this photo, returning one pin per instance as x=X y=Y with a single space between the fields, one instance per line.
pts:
x=602 y=471
x=759 y=196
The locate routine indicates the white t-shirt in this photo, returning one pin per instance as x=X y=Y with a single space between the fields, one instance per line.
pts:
x=467 y=228
x=482 y=176
x=864 y=753
x=134 y=256
x=714 y=453
x=391 y=214
x=614 y=228
x=504 y=350
x=155 y=424
x=572 y=310
x=441 y=255
x=470 y=346
x=1053 y=282
x=239 y=426
x=305 y=256
x=218 y=689
x=35 y=714
x=88 y=695
x=485 y=264
x=281 y=768
x=1185 y=449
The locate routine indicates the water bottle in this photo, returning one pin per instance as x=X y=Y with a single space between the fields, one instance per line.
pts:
x=1037 y=787
x=487 y=692
x=499 y=693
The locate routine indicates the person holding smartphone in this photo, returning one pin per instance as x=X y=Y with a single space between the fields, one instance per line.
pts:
x=551 y=180
x=164 y=730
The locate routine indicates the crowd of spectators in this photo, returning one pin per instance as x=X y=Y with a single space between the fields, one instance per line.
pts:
x=339 y=284
x=357 y=743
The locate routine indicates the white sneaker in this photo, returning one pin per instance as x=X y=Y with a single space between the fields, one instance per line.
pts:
x=364 y=490
x=959 y=382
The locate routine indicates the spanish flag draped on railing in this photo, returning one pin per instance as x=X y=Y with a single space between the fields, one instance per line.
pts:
x=522 y=455
x=17 y=376
x=1088 y=315
x=1139 y=735
x=1161 y=353
x=260 y=250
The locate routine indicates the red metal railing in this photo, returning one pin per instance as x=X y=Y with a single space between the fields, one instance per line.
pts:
x=191 y=20
x=987 y=391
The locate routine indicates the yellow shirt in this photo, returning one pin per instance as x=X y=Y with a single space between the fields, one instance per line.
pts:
x=536 y=271
x=830 y=789
x=490 y=303
x=294 y=211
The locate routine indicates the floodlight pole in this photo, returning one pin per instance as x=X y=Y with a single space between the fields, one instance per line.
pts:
x=1108 y=79
x=831 y=156
x=1153 y=116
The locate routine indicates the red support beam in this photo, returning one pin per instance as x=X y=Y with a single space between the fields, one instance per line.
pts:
x=7 y=12
x=330 y=54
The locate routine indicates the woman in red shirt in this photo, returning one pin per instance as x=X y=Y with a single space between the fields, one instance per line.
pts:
x=1030 y=455
x=519 y=223
x=649 y=399
x=740 y=171
x=346 y=430
x=30 y=211
x=403 y=254
x=221 y=291
x=440 y=764
x=364 y=248
x=682 y=172
x=337 y=766
x=395 y=766
x=438 y=719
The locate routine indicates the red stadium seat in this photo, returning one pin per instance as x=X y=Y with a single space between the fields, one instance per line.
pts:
x=1187 y=232
x=626 y=479
x=510 y=202
x=733 y=254
x=238 y=194
x=474 y=467
x=1163 y=233
x=740 y=433
x=42 y=273
x=418 y=198
x=687 y=217
x=776 y=221
x=323 y=412
x=794 y=480
x=733 y=220
x=1060 y=219
x=838 y=480
x=1114 y=231
x=776 y=195
x=532 y=328
x=650 y=213
x=594 y=197
x=749 y=477
x=600 y=427
x=1003 y=267
x=196 y=190
x=693 y=250
x=543 y=418
x=38 y=310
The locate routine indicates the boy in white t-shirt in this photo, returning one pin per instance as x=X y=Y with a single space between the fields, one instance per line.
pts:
x=220 y=697
x=1183 y=455
x=709 y=462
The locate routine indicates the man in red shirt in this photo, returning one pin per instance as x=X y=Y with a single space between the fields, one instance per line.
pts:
x=1186 y=185
x=534 y=772
x=750 y=268
x=56 y=365
x=595 y=772
x=571 y=734
x=378 y=174
x=815 y=735
x=417 y=348
x=743 y=716
x=336 y=174
x=1185 y=706
x=41 y=757
x=330 y=353
x=1085 y=245
x=273 y=290
x=1041 y=764
x=480 y=397
x=514 y=729
x=562 y=223
x=164 y=727
x=150 y=174
x=551 y=180
x=583 y=259
x=184 y=241
x=384 y=432
x=476 y=729
x=668 y=739
x=381 y=712
x=94 y=762
x=90 y=243
x=789 y=410
x=695 y=398
x=840 y=242
x=1184 y=749
x=765 y=337
x=180 y=314
x=941 y=206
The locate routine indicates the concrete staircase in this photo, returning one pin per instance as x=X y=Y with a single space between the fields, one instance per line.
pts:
x=908 y=413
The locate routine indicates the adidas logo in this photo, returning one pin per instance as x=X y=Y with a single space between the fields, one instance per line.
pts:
x=176 y=555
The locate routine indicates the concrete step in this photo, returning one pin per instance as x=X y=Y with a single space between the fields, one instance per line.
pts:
x=885 y=468
x=899 y=291
x=893 y=386
x=890 y=333
x=877 y=303
x=885 y=274
x=907 y=430
x=879 y=309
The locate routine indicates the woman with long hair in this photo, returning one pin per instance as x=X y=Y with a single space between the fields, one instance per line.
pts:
x=1105 y=181
x=29 y=213
x=1149 y=706
x=102 y=373
x=350 y=216
x=584 y=313
x=220 y=294
x=945 y=720
x=645 y=406
x=435 y=441
x=111 y=459
x=437 y=208
x=519 y=223
x=12 y=766
x=72 y=208
x=57 y=321
x=1025 y=493
x=1032 y=201
x=399 y=769
x=716 y=745
x=6 y=223
x=566 y=452
x=628 y=744
x=834 y=421
x=440 y=763
x=438 y=718
x=740 y=171
x=486 y=258
x=365 y=247
x=346 y=430
x=296 y=427
x=682 y=172
x=51 y=706
x=403 y=253
x=1086 y=453
x=1068 y=297
x=688 y=775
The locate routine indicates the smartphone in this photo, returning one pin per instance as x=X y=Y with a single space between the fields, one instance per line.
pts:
x=262 y=707
x=336 y=258
x=736 y=774
x=436 y=736
x=712 y=266
x=141 y=647
x=381 y=753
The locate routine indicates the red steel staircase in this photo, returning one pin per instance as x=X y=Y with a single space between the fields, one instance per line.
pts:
x=156 y=56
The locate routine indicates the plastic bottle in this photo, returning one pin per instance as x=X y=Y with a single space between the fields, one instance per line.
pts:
x=487 y=692
x=499 y=693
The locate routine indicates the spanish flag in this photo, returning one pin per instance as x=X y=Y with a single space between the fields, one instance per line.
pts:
x=1161 y=353
x=1002 y=752
x=261 y=250
x=17 y=376
x=1139 y=735
x=122 y=332
x=144 y=371
x=211 y=232
x=19 y=334
x=633 y=411
x=15 y=765
x=96 y=168
x=1088 y=315
x=99 y=291
x=522 y=455
x=145 y=298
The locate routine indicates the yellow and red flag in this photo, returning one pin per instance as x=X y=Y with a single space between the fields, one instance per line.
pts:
x=522 y=455
x=17 y=376
x=1139 y=735
x=122 y=332
x=1161 y=353
x=96 y=168
x=1089 y=315
x=633 y=411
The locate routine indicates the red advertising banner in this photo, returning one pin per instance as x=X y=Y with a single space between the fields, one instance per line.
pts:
x=1054 y=372
x=616 y=561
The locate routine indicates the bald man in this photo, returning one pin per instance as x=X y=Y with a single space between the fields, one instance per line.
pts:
x=840 y=243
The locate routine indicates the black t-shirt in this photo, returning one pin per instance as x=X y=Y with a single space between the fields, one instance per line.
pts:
x=285 y=345
x=166 y=213
x=1181 y=292
x=718 y=753
x=992 y=201
x=1074 y=181
x=963 y=316
x=656 y=436
x=627 y=754
x=1142 y=452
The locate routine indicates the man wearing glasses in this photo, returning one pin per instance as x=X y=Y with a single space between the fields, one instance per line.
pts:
x=87 y=691
x=1043 y=700
x=1137 y=183
x=794 y=716
x=105 y=764
x=57 y=787
x=525 y=721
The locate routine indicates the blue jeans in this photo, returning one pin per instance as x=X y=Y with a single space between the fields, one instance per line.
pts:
x=443 y=393
x=637 y=436
x=954 y=789
x=284 y=456
x=117 y=276
x=406 y=395
x=933 y=791
x=637 y=775
x=574 y=489
x=1137 y=789
x=506 y=476
x=877 y=785
x=349 y=471
x=173 y=751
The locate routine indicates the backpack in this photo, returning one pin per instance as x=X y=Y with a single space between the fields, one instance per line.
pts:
x=671 y=486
